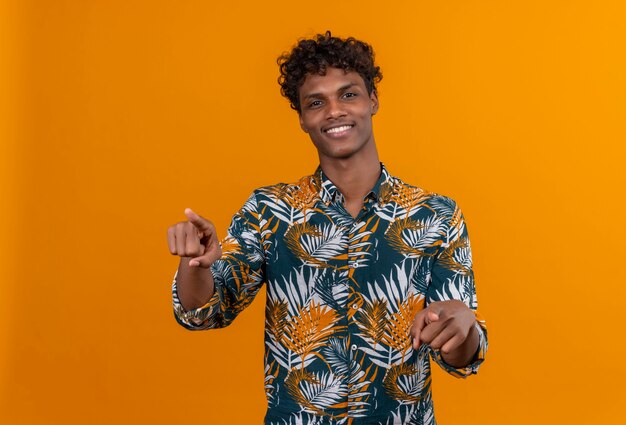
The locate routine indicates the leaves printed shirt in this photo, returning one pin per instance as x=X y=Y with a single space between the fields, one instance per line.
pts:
x=342 y=293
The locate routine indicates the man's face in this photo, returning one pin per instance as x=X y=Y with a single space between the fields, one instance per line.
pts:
x=336 y=112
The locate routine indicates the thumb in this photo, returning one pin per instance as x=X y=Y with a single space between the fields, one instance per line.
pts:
x=208 y=258
x=202 y=262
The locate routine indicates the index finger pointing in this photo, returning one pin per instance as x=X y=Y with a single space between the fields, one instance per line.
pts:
x=191 y=216
x=200 y=222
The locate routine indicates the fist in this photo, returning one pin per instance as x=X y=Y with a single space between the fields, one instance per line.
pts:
x=444 y=325
x=195 y=239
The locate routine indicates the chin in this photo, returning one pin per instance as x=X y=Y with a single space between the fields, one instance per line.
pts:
x=340 y=155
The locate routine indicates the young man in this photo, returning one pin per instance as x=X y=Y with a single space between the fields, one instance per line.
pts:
x=367 y=277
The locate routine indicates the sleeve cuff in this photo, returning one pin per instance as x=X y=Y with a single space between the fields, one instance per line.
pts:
x=207 y=316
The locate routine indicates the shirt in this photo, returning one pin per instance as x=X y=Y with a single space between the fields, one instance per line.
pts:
x=342 y=293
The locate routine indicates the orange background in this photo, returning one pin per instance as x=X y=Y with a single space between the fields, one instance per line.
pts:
x=116 y=115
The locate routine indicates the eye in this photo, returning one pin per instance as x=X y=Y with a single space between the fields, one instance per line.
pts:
x=315 y=103
x=349 y=95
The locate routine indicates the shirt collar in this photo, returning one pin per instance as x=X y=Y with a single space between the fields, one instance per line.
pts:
x=329 y=193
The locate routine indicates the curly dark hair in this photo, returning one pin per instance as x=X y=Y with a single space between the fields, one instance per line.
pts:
x=313 y=56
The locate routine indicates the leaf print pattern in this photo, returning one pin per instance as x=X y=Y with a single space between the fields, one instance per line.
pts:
x=309 y=329
x=412 y=238
x=342 y=293
x=276 y=319
x=371 y=321
x=331 y=287
x=457 y=257
x=403 y=383
x=316 y=392
x=271 y=387
x=397 y=326
x=316 y=246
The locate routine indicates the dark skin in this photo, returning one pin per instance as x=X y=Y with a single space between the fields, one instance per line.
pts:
x=336 y=112
x=195 y=242
x=448 y=326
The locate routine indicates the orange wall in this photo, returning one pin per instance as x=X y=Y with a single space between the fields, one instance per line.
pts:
x=119 y=114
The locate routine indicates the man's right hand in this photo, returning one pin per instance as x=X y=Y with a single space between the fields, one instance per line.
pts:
x=195 y=239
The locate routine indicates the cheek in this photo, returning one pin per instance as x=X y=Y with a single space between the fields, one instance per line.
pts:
x=366 y=120
x=315 y=138
x=307 y=125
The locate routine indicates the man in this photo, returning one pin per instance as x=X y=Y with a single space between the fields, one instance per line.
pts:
x=367 y=277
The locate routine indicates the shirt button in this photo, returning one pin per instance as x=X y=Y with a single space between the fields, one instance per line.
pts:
x=355 y=265
x=355 y=306
x=354 y=347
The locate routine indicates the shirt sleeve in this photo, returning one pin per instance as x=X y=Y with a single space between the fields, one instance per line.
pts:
x=238 y=274
x=452 y=278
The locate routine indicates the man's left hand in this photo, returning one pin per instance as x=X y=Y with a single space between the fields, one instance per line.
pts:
x=449 y=326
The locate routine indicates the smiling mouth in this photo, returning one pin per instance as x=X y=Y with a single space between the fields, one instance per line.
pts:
x=339 y=130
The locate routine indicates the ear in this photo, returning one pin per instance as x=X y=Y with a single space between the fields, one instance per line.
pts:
x=374 y=100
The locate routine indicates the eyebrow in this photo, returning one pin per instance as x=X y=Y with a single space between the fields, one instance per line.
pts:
x=342 y=88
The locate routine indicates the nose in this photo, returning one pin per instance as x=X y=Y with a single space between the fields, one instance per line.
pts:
x=335 y=109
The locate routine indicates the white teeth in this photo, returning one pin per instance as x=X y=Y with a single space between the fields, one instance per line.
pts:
x=339 y=129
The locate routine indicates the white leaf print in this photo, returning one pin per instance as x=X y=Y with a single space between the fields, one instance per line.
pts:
x=390 y=211
x=430 y=231
x=283 y=211
x=297 y=289
x=325 y=392
x=331 y=243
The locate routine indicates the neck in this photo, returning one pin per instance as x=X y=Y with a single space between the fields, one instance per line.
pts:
x=354 y=176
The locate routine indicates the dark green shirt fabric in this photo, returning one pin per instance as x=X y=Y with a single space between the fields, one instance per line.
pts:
x=341 y=297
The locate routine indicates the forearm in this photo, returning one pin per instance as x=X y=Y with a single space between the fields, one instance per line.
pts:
x=194 y=285
x=464 y=354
